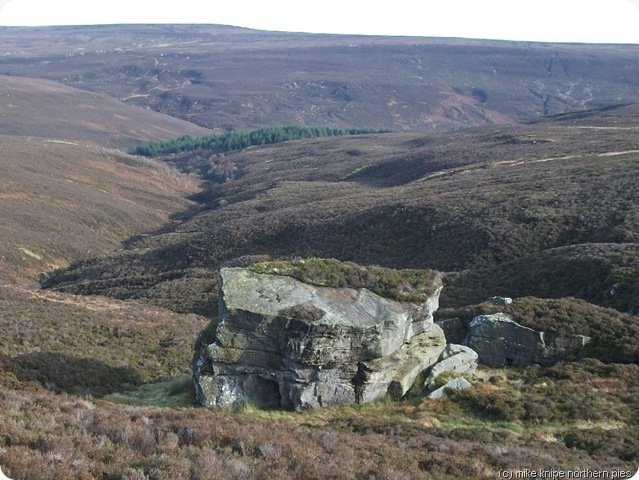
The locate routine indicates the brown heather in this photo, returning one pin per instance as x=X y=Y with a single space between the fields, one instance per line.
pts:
x=550 y=418
x=97 y=386
x=530 y=418
x=545 y=209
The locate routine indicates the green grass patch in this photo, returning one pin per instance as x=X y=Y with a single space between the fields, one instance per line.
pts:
x=178 y=392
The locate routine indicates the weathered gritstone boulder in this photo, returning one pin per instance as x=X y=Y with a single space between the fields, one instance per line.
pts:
x=500 y=342
x=281 y=342
x=454 y=358
x=456 y=384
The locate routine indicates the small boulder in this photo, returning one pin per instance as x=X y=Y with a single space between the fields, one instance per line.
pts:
x=454 y=358
x=457 y=384
x=500 y=300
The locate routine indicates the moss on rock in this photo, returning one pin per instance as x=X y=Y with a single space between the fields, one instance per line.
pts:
x=408 y=285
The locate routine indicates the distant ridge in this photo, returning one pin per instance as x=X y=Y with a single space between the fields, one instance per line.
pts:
x=228 y=78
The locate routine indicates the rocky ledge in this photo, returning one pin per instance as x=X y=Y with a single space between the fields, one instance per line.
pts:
x=280 y=342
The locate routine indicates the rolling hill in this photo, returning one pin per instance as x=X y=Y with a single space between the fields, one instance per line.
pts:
x=482 y=198
x=541 y=209
x=68 y=190
x=229 y=78
x=94 y=369
x=38 y=108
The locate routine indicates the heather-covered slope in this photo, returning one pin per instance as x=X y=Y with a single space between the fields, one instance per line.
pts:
x=67 y=190
x=230 y=78
x=473 y=200
x=62 y=201
x=38 y=108
x=546 y=209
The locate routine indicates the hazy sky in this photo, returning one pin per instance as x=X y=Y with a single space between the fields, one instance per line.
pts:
x=601 y=21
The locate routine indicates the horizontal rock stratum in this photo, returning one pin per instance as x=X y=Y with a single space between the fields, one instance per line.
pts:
x=280 y=342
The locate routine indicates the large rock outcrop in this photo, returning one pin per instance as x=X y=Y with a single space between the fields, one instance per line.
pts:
x=500 y=342
x=283 y=343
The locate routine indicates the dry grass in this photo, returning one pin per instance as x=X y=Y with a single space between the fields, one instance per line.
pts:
x=64 y=196
x=62 y=202
x=91 y=345
x=61 y=436
x=37 y=108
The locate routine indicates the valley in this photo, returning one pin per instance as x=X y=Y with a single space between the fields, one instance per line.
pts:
x=512 y=169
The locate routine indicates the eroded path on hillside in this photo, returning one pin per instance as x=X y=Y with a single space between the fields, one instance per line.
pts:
x=513 y=163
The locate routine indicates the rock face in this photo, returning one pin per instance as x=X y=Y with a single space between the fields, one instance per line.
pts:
x=454 y=329
x=500 y=342
x=283 y=343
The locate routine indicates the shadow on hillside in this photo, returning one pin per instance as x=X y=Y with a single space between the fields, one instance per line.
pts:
x=64 y=373
x=396 y=172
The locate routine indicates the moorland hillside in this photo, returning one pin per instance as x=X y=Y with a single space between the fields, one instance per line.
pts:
x=229 y=78
x=62 y=201
x=31 y=107
x=68 y=191
x=499 y=208
x=98 y=386
x=484 y=204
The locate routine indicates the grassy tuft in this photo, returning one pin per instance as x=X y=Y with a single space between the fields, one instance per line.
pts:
x=178 y=392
